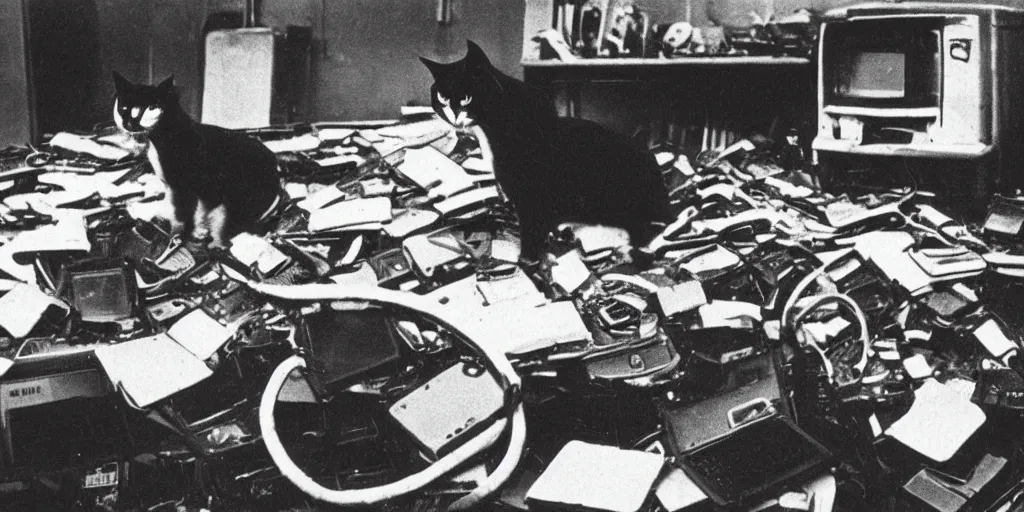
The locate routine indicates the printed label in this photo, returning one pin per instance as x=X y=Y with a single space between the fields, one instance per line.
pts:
x=28 y=393
x=103 y=477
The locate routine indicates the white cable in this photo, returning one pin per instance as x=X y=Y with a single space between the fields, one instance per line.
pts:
x=803 y=284
x=383 y=296
x=508 y=464
x=364 y=296
x=637 y=281
x=366 y=496
x=865 y=337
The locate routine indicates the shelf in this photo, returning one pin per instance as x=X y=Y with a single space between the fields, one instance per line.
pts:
x=919 y=112
x=970 y=151
x=678 y=70
x=674 y=62
x=746 y=86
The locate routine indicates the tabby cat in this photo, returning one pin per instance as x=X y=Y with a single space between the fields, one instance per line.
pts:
x=220 y=182
x=552 y=169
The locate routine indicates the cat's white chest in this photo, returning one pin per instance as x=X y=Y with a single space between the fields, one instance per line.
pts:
x=165 y=208
x=486 y=154
x=154 y=161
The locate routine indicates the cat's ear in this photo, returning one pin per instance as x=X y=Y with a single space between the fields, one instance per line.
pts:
x=120 y=83
x=434 y=67
x=166 y=86
x=475 y=55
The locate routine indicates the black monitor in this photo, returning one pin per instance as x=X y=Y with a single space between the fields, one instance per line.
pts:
x=105 y=292
x=881 y=63
x=346 y=344
x=47 y=421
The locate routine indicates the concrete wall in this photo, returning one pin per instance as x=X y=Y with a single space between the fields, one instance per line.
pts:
x=148 y=40
x=367 y=65
x=14 y=119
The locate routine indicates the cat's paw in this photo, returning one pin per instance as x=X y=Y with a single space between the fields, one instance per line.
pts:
x=198 y=248
x=200 y=233
x=217 y=242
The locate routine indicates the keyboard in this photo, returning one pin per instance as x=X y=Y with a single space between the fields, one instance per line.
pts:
x=754 y=460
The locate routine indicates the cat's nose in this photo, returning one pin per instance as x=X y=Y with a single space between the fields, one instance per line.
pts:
x=463 y=120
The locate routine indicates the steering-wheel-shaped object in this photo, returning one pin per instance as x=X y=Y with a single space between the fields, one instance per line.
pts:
x=496 y=362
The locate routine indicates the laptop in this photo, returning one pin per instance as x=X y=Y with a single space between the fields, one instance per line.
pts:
x=755 y=460
x=739 y=445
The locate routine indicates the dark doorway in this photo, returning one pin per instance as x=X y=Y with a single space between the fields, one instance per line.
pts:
x=63 y=41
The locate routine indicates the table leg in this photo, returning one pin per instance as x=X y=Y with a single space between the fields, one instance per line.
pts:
x=572 y=99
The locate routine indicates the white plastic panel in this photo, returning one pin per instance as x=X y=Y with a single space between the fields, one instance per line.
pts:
x=238 y=77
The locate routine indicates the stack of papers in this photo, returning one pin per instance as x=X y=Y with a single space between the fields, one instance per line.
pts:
x=84 y=144
x=431 y=170
x=129 y=366
x=416 y=134
x=321 y=197
x=915 y=271
x=199 y=334
x=596 y=477
x=941 y=420
x=300 y=143
x=369 y=213
x=519 y=330
x=569 y=272
x=23 y=307
x=945 y=264
x=681 y=297
x=676 y=491
x=409 y=220
x=427 y=253
x=842 y=214
x=68 y=234
x=464 y=201
x=252 y=250
x=181 y=353
x=716 y=259
x=326 y=134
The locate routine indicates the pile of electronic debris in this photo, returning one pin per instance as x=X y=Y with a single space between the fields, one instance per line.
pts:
x=383 y=345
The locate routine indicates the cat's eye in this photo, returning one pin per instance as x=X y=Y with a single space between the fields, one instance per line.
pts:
x=465 y=101
x=442 y=100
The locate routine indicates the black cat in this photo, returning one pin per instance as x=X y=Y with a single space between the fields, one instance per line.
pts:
x=220 y=182
x=552 y=169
